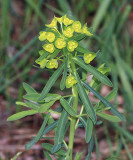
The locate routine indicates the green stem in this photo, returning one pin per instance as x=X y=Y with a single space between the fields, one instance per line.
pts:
x=75 y=106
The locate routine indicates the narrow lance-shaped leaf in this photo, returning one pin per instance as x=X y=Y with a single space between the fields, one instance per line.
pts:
x=67 y=107
x=91 y=145
x=89 y=130
x=109 y=117
x=51 y=81
x=39 y=134
x=101 y=77
x=78 y=156
x=109 y=97
x=32 y=105
x=32 y=96
x=63 y=80
x=44 y=107
x=49 y=147
x=21 y=115
x=108 y=104
x=28 y=88
x=47 y=155
x=85 y=99
x=60 y=130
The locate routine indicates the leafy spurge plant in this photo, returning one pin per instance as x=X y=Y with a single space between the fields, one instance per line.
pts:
x=63 y=53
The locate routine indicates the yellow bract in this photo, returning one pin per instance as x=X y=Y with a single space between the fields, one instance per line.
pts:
x=52 y=64
x=67 y=21
x=42 y=36
x=49 y=47
x=68 y=32
x=85 y=30
x=70 y=81
x=50 y=36
x=60 y=20
x=72 y=45
x=60 y=43
x=53 y=24
x=88 y=57
x=42 y=63
x=77 y=26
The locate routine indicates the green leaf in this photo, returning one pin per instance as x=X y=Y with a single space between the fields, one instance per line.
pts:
x=50 y=127
x=16 y=156
x=82 y=49
x=51 y=81
x=91 y=145
x=32 y=105
x=56 y=52
x=109 y=117
x=52 y=97
x=109 y=97
x=63 y=80
x=67 y=107
x=108 y=104
x=39 y=134
x=89 y=130
x=60 y=131
x=83 y=121
x=47 y=155
x=79 y=37
x=85 y=99
x=49 y=147
x=21 y=104
x=28 y=88
x=101 y=77
x=78 y=156
x=21 y=115
x=44 y=107
x=32 y=96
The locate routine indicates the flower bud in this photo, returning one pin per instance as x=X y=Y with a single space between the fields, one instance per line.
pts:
x=77 y=26
x=50 y=36
x=67 y=21
x=72 y=45
x=42 y=62
x=68 y=32
x=60 y=43
x=70 y=81
x=42 y=36
x=88 y=57
x=52 y=64
x=49 y=47
x=85 y=30
x=53 y=24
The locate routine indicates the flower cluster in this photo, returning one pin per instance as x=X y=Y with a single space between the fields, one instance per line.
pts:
x=70 y=81
x=59 y=35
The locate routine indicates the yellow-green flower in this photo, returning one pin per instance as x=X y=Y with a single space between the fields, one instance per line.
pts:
x=52 y=64
x=59 y=19
x=85 y=30
x=53 y=24
x=70 y=81
x=60 y=43
x=49 y=47
x=103 y=69
x=68 y=32
x=77 y=26
x=88 y=57
x=67 y=21
x=42 y=63
x=72 y=45
x=50 y=36
x=42 y=36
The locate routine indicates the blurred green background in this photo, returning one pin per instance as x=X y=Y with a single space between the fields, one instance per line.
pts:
x=112 y=23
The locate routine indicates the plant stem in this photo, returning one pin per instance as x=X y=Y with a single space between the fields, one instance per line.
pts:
x=75 y=106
